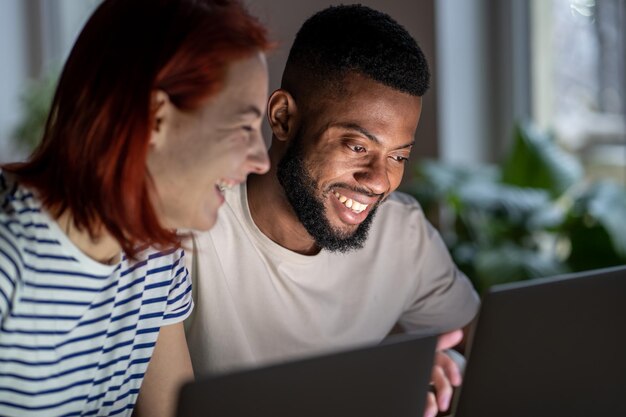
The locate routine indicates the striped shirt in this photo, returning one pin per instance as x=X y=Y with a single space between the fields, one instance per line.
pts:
x=76 y=336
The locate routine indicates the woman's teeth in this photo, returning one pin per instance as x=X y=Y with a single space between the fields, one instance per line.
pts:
x=353 y=205
x=225 y=184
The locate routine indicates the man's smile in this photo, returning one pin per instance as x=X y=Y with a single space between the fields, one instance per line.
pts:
x=353 y=205
x=350 y=206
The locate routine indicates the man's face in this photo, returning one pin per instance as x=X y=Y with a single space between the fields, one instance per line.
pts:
x=347 y=157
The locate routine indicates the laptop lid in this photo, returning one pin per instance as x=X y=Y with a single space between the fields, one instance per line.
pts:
x=388 y=379
x=549 y=348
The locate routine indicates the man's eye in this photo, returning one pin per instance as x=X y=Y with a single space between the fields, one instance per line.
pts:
x=247 y=128
x=400 y=158
x=357 y=148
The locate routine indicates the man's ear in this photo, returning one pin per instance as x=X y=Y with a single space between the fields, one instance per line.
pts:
x=160 y=107
x=282 y=114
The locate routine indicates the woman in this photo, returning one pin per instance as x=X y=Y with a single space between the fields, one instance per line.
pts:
x=158 y=106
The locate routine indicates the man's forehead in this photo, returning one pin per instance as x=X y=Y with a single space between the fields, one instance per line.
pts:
x=353 y=87
x=360 y=101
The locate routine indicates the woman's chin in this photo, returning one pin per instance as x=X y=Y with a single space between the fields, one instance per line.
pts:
x=207 y=218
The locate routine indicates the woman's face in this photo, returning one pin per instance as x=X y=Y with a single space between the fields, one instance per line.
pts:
x=193 y=153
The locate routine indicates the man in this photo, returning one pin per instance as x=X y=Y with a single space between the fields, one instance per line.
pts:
x=320 y=253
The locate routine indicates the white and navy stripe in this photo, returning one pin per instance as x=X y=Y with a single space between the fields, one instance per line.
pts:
x=76 y=336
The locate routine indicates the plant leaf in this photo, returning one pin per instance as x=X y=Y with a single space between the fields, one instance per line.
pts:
x=536 y=161
x=510 y=263
x=597 y=223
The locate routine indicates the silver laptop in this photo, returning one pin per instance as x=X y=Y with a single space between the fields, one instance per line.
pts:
x=388 y=379
x=549 y=348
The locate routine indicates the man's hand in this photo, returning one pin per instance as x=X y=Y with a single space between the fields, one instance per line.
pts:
x=445 y=375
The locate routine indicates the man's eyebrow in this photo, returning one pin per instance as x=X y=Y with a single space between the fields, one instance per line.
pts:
x=368 y=134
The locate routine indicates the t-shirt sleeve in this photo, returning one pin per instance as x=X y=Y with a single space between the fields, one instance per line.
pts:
x=444 y=298
x=179 y=301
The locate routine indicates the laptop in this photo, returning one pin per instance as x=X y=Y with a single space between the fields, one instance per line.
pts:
x=551 y=347
x=387 y=379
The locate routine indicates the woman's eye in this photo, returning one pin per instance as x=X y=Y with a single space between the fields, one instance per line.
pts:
x=248 y=128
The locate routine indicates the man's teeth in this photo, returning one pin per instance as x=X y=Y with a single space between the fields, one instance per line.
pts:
x=353 y=205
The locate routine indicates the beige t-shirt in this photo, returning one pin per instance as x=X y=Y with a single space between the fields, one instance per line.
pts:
x=258 y=303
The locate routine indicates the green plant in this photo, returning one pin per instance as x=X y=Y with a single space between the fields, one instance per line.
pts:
x=535 y=215
x=35 y=104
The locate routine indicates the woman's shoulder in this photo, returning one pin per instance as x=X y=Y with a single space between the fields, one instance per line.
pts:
x=155 y=262
x=15 y=199
x=19 y=209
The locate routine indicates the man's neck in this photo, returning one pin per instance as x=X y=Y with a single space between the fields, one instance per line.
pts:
x=272 y=213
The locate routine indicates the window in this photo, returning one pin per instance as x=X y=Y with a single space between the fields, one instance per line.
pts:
x=579 y=73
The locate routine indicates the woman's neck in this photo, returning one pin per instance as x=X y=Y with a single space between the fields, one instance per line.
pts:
x=100 y=246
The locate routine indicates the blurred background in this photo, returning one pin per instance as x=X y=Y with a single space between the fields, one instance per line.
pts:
x=520 y=159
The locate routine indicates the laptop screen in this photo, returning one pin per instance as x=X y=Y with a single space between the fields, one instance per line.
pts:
x=388 y=379
x=550 y=347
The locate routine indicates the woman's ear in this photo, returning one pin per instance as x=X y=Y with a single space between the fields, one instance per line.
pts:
x=160 y=109
x=282 y=114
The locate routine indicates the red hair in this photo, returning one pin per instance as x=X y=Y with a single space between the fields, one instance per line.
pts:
x=92 y=159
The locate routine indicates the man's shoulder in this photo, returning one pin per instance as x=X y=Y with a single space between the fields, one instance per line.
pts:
x=400 y=215
x=399 y=201
x=403 y=198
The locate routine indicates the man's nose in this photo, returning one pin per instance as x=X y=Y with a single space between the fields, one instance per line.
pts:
x=375 y=176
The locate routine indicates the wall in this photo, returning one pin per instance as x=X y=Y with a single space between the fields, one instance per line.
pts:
x=14 y=53
x=483 y=48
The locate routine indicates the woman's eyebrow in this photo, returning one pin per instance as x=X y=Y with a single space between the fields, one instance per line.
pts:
x=251 y=109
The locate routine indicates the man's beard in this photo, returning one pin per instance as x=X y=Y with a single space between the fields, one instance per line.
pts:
x=300 y=189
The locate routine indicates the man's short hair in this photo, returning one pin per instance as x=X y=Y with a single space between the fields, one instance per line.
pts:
x=356 y=38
